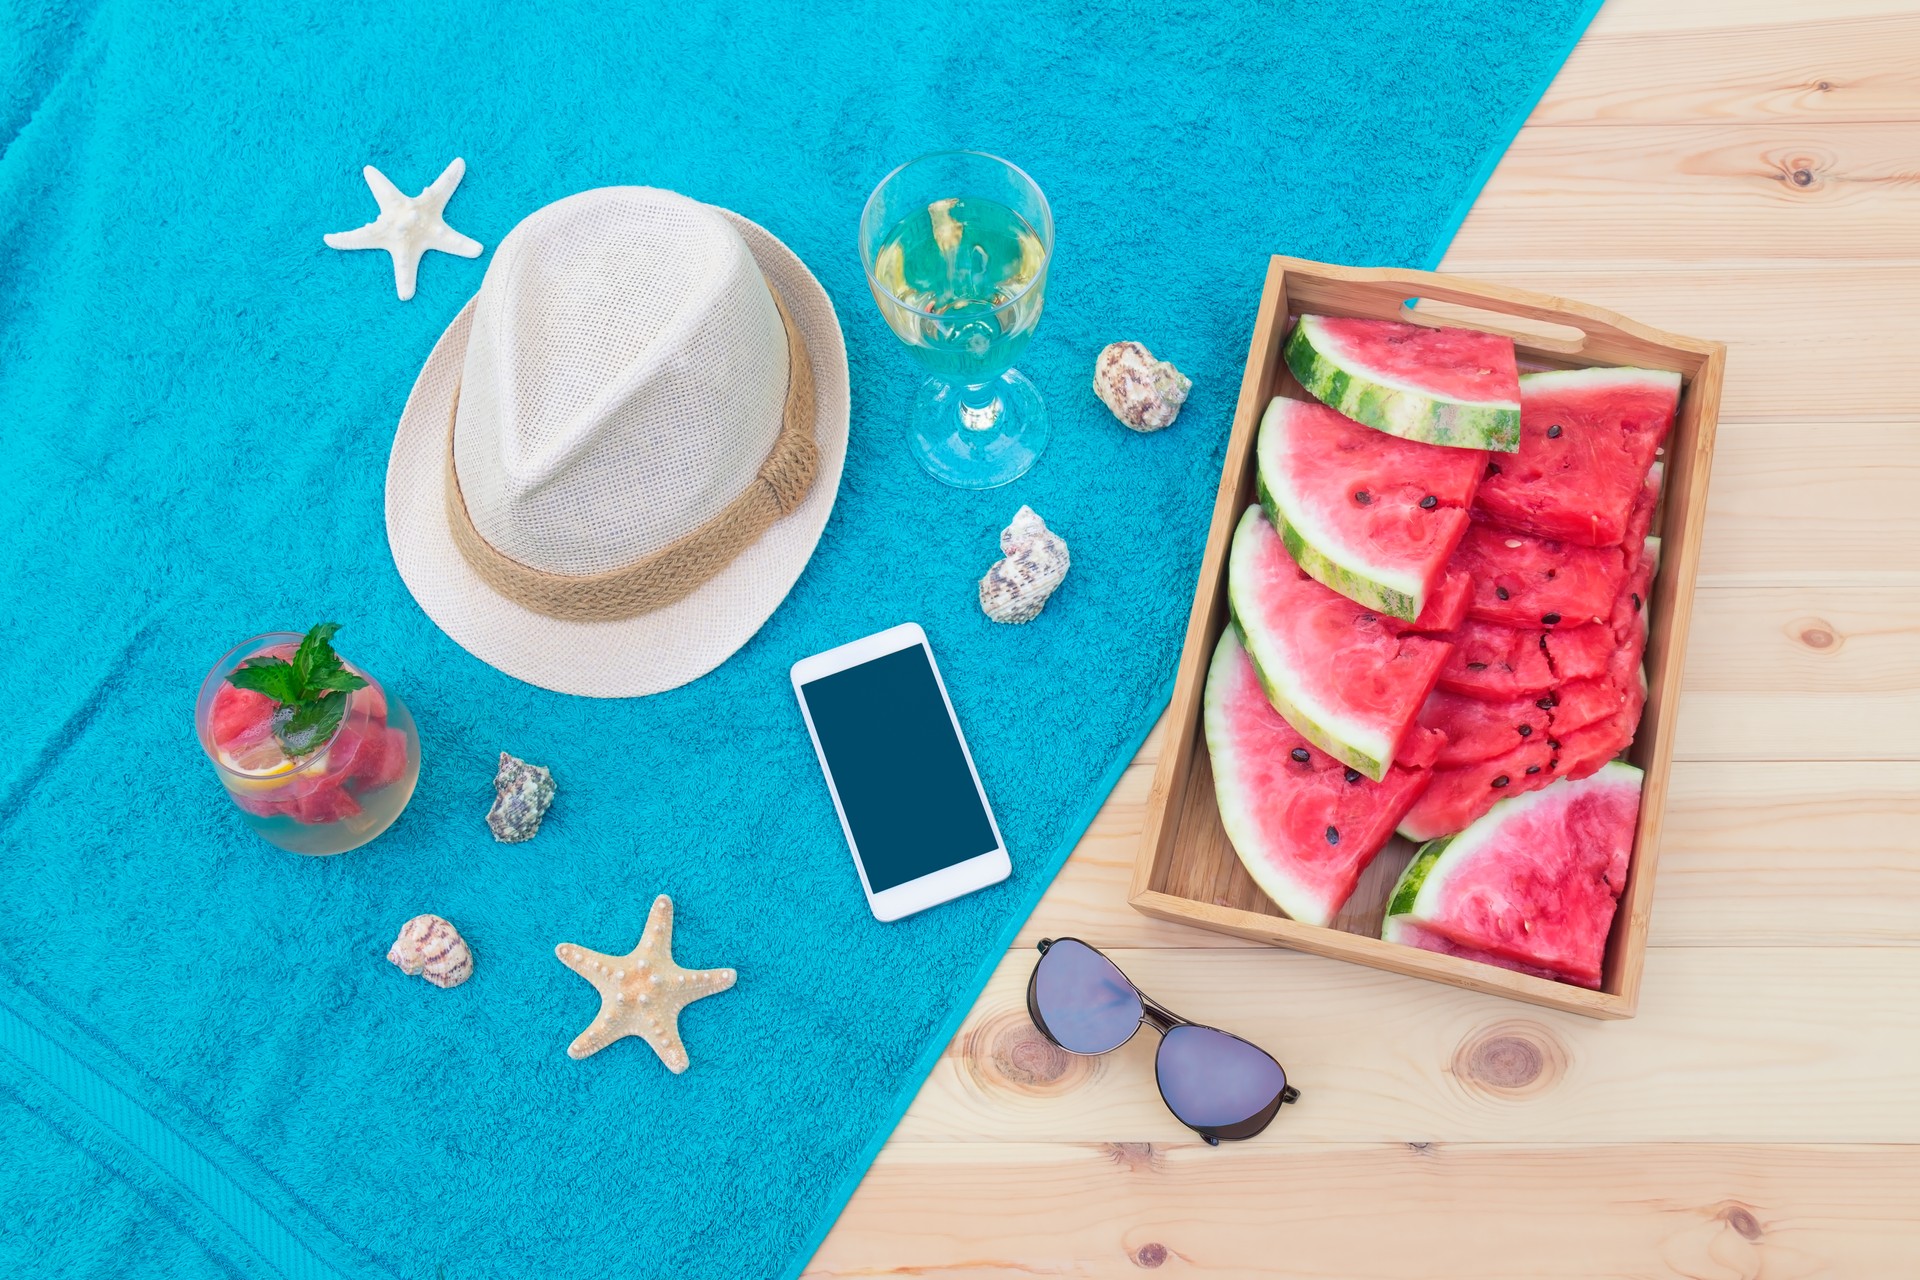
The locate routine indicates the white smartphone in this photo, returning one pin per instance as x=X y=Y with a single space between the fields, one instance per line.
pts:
x=898 y=768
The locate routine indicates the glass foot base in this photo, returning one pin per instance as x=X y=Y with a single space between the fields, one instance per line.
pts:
x=978 y=437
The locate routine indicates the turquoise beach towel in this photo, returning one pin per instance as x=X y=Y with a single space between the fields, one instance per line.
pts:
x=206 y=1066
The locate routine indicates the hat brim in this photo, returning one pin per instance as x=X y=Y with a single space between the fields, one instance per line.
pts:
x=655 y=651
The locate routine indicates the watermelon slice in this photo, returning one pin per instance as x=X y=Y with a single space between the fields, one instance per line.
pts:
x=1477 y=729
x=1495 y=662
x=1587 y=439
x=1526 y=581
x=1402 y=930
x=1453 y=387
x=1460 y=794
x=1373 y=517
x=1304 y=824
x=1537 y=880
x=1345 y=677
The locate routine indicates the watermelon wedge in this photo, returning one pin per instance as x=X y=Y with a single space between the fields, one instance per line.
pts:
x=1522 y=580
x=1460 y=794
x=1454 y=387
x=1477 y=729
x=1537 y=880
x=1349 y=680
x=1402 y=930
x=1497 y=662
x=1371 y=516
x=1587 y=439
x=1304 y=824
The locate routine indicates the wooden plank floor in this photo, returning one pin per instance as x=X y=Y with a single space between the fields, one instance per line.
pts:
x=1747 y=170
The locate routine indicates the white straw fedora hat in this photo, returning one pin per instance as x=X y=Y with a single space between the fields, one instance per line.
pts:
x=621 y=453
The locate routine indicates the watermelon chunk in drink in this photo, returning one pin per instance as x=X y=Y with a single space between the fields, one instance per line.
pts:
x=1304 y=825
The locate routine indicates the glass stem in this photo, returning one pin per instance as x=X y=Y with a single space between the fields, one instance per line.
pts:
x=979 y=406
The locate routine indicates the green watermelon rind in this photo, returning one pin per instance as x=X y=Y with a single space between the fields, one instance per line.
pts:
x=1234 y=802
x=1318 y=724
x=1363 y=585
x=1394 y=407
x=1425 y=896
x=1407 y=887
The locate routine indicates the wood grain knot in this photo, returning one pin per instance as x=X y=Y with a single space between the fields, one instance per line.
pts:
x=1823 y=86
x=1008 y=1052
x=1150 y=1255
x=1741 y=1219
x=1800 y=171
x=1815 y=633
x=1510 y=1060
x=1134 y=1157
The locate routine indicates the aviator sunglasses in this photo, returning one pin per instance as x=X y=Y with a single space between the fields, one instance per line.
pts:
x=1216 y=1084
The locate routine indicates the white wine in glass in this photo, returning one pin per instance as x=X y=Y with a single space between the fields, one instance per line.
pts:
x=956 y=247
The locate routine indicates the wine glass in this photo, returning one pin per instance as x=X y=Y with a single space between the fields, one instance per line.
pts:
x=956 y=246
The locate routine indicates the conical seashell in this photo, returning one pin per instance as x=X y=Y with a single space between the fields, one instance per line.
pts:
x=1016 y=588
x=1144 y=393
x=432 y=948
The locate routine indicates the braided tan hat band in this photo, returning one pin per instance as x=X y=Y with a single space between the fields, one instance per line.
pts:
x=677 y=570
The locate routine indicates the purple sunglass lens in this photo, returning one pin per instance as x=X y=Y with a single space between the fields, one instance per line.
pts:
x=1214 y=1081
x=1082 y=1001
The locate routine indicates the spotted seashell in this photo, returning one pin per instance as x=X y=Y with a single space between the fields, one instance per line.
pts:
x=432 y=948
x=1016 y=588
x=522 y=793
x=1144 y=393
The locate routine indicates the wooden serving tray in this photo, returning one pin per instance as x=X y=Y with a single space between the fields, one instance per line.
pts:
x=1187 y=870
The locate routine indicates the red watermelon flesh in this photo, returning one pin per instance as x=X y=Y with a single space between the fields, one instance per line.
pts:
x=1580 y=653
x=1305 y=825
x=1587 y=438
x=1446 y=604
x=1538 y=879
x=1458 y=795
x=1579 y=703
x=1495 y=662
x=1476 y=729
x=1370 y=515
x=1524 y=581
x=1400 y=929
x=1347 y=678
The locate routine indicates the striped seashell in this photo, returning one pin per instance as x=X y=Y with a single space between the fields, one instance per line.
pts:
x=433 y=949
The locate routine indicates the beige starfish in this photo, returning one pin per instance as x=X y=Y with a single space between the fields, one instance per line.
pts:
x=642 y=992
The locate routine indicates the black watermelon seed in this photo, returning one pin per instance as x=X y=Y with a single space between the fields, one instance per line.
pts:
x=1543 y=642
x=1553 y=432
x=1533 y=768
x=1554 y=743
x=1636 y=602
x=1547 y=703
x=1551 y=619
x=1526 y=730
x=1501 y=592
x=1429 y=502
x=1353 y=775
x=1333 y=835
x=1550 y=574
x=1300 y=754
x=1500 y=781
x=1493 y=469
x=1476 y=666
x=1362 y=497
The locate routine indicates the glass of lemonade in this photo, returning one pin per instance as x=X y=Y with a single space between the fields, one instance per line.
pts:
x=956 y=246
x=342 y=791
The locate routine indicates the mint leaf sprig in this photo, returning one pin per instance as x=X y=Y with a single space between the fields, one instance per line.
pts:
x=311 y=690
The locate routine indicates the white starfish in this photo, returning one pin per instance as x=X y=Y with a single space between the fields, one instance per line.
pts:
x=408 y=226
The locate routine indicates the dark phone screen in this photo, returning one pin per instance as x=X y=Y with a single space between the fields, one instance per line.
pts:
x=896 y=761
